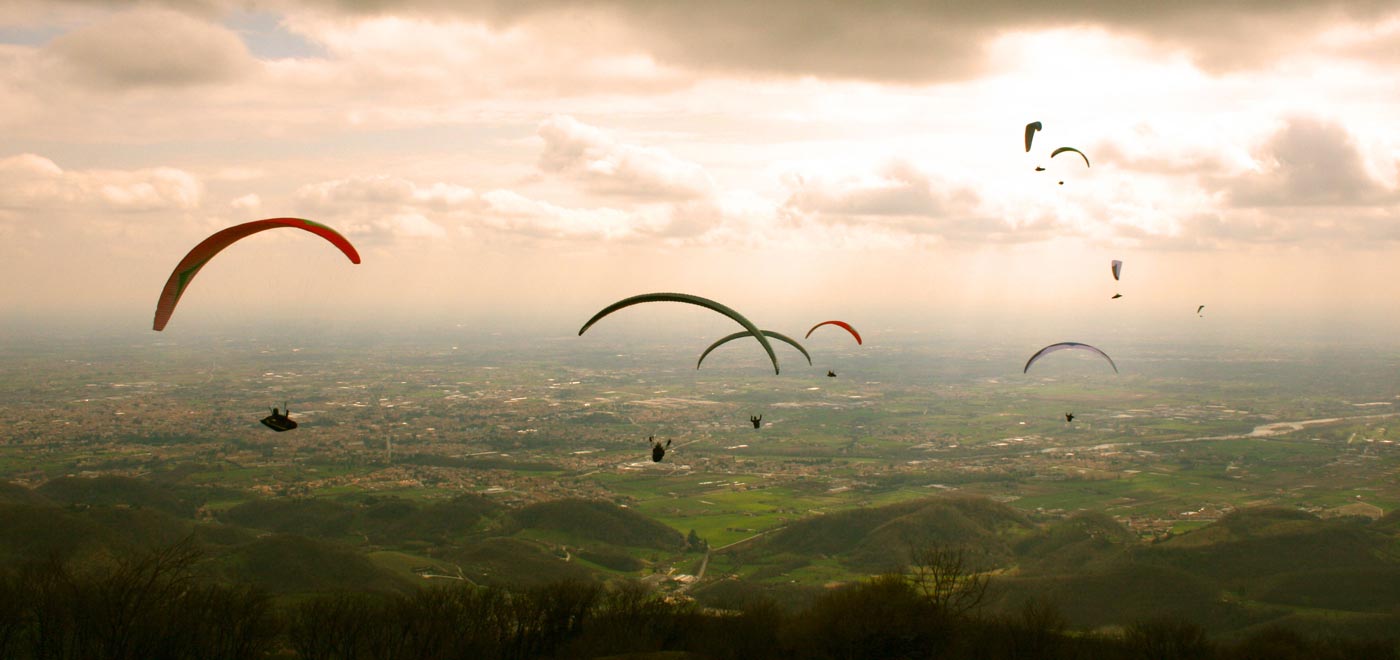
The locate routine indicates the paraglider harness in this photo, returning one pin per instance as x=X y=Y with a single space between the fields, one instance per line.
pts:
x=657 y=451
x=756 y=419
x=279 y=421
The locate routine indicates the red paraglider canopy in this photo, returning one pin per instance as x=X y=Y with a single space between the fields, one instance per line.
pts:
x=843 y=324
x=185 y=271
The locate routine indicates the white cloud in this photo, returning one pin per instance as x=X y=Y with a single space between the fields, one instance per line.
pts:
x=378 y=205
x=602 y=165
x=902 y=199
x=32 y=182
x=249 y=202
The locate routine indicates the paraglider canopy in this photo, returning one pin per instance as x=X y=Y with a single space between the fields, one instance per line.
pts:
x=1070 y=149
x=1198 y=310
x=1031 y=128
x=692 y=300
x=739 y=335
x=1064 y=346
x=840 y=324
x=1117 y=268
x=188 y=267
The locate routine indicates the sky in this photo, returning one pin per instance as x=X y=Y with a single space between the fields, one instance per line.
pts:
x=529 y=162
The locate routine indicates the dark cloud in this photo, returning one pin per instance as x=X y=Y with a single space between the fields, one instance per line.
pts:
x=151 y=48
x=913 y=41
x=901 y=40
x=1309 y=162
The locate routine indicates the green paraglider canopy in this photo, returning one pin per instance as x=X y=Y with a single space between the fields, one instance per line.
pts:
x=1031 y=128
x=1065 y=149
x=739 y=335
x=691 y=300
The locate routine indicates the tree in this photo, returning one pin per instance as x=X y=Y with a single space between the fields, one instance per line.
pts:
x=946 y=577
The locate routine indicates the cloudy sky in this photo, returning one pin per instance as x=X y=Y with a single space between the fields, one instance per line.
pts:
x=537 y=159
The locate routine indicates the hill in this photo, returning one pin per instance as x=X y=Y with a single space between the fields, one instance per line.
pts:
x=291 y=564
x=116 y=491
x=599 y=521
x=877 y=539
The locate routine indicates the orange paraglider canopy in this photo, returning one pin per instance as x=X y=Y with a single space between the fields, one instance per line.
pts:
x=188 y=267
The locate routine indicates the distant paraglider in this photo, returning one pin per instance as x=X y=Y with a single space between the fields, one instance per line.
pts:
x=841 y=324
x=1031 y=128
x=1117 y=268
x=692 y=300
x=739 y=335
x=756 y=419
x=1069 y=149
x=1069 y=417
x=279 y=421
x=188 y=267
x=1068 y=345
x=830 y=374
x=1062 y=150
x=658 y=451
x=1198 y=311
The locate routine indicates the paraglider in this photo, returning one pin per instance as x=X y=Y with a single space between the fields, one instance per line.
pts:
x=830 y=374
x=1198 y=310
x=1117 y=267
x=1031 y=128
x=657 y=450
x=778 y=336
x=692 y=300
x=188 y=267
x=1069 y=417
x=1068 y=345
x=840 y=324
x=756 y=419
x=279 y=421
x=1066 y=149
x=1116 y=296
x=1071 y=149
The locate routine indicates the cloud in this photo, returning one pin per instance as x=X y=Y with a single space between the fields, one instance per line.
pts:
x=384 y=208
x=249 y=202
x=895 y=40
x=29 y=182
x=1309 y=162
x=149 y=47
x=1306 y=185
x=589 y=156
x=902 y=199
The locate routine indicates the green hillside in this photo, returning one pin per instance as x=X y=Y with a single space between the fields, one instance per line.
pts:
x=599 y=521
x=116 y=491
